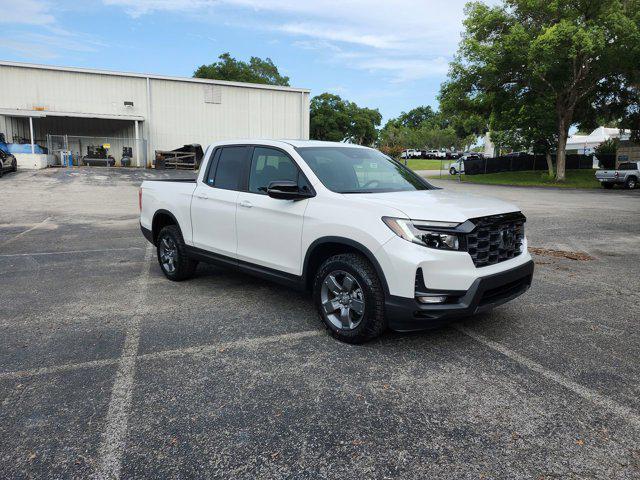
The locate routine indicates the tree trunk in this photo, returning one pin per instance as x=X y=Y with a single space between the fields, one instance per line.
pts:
x=549 y=163
x=564 y=121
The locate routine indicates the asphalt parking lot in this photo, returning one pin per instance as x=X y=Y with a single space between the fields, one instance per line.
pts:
x=109 y=370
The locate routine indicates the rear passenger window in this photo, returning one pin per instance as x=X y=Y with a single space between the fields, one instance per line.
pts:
x=230 y=168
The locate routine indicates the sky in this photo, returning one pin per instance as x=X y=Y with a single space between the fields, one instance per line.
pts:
x=390 y=55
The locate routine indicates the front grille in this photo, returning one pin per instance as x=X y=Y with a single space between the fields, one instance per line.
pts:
x=495 y=238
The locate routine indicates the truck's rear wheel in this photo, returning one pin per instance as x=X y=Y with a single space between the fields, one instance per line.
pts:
x=172 y=256
x=349 y=298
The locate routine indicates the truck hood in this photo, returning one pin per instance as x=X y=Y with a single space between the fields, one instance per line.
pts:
x=439 y=205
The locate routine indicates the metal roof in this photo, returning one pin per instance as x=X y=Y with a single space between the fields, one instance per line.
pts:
x=10 y=112
x=151 y=76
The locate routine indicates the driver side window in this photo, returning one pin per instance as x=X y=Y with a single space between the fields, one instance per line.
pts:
x=268 y=165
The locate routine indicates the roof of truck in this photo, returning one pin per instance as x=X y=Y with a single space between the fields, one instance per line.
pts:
x=294 y=143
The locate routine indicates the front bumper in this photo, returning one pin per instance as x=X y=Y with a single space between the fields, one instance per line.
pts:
x=407 y=314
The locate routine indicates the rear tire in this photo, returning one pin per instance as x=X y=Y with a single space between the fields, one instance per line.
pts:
x=608 y=186
x=350 y=299
x=172 y=255
x=631 y=183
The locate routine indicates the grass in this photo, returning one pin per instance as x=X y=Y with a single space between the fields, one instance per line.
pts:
x=415 y=164
x=575 y=179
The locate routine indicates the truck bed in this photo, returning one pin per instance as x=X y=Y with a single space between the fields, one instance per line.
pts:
x=169 y=194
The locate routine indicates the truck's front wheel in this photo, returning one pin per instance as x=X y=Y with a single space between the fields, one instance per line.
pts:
x=172 y=256
x=349 y=298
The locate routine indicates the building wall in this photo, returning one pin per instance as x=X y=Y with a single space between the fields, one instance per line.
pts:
x=11 y=126
x=628 y=152
x=62 y=91
x=177 y=107
x=177 y=114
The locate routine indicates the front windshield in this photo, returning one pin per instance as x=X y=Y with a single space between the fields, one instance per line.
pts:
x=360 y=170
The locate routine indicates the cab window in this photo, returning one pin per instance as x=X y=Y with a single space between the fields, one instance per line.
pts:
x=269 y=165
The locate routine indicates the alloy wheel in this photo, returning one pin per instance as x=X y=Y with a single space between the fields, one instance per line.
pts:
x=342 y=300
x=168 y=254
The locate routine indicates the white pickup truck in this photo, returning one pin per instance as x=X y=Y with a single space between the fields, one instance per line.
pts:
x=411 y=153
x=376 y=244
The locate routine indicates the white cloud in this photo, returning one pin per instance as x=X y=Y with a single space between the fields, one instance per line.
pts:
x=137 y=8
x=26 y=12
x=33 y=30
x=405 y=39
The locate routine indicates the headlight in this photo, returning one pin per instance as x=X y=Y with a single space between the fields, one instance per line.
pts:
x=408 y=229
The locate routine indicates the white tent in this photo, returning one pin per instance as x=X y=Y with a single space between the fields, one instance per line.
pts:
x=586 y=144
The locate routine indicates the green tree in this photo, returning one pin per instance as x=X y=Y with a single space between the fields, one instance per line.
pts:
x=337 y=120
x=256 y=70
x=363 y=123
x=415 y=117
x=329 y=118
x=525 y=123
x=566 y=52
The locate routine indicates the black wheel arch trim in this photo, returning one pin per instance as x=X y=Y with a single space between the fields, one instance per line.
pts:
x=350 y=243
x=162 y=211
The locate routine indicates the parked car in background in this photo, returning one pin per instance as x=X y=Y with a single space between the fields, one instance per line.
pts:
x=411 y=153
x=516 y=154
x=8 y=163
x=376 y=245
x=627 y=174
x=435 y=154
x=458 y=166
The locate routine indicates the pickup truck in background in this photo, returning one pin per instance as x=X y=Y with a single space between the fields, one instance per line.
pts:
x=411 y=153
x=376 y=245
x=626 y=174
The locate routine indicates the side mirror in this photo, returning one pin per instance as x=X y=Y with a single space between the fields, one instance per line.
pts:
x=287 y=190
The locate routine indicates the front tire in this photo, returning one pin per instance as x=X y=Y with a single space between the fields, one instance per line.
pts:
x=631 y=183
x=350 y=299
x=172 y=255
x=452 y=171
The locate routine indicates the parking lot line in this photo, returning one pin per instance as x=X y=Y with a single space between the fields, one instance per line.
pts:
x=69 y=252
x=247 y=342
x=114 y=436
x=69 y=367
x=25 y=232
x=177 y=352
x=602 y=401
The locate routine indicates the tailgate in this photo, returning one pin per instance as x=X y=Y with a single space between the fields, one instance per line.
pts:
x=606 y=175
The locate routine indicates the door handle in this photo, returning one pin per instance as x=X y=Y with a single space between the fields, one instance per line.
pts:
x=203 y=196
x=246 y=204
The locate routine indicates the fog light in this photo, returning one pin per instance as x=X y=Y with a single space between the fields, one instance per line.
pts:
x=432 y=299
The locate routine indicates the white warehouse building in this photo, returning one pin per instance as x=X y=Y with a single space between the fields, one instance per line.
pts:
x=69 y=109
